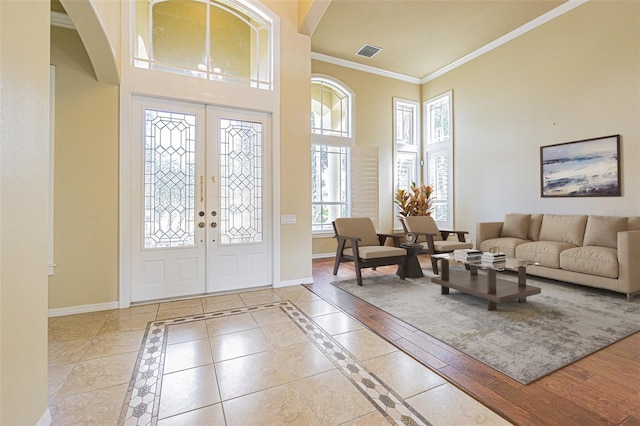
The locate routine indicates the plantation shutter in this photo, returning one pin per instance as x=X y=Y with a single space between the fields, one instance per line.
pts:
x=364 y=183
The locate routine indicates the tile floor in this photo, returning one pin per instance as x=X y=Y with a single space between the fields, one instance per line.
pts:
x=266 y=357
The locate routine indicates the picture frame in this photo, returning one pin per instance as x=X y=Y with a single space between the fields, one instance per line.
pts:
x=584 y=168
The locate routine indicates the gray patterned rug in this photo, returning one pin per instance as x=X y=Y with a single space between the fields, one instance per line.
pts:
x=525 y=341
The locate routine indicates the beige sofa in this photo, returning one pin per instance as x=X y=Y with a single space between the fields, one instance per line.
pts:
x=596 y=251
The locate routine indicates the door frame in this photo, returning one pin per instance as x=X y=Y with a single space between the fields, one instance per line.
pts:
x=127 y=180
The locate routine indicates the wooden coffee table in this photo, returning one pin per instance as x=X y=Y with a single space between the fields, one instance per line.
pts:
x=488 y=287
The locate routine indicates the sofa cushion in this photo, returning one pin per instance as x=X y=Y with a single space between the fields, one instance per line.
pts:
x=534 y=227
x=507 y=245
x=375 y=252
x=448 y=245
x=634 y=223
x=516 y=225
x=563 y=228
x=547 y=253
x=603 y=230
x=600 y=261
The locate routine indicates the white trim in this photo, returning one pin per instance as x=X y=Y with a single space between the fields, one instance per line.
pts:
x=323 y=255
x=45 y=419
x=328 y=140
x=62 y=20
x=276 y=228
x=323 y=234
x=542 y=19
x=290 y=283
x=364 y=68
x=81 y=309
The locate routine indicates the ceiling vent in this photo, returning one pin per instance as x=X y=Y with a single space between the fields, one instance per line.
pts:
x=368 y=51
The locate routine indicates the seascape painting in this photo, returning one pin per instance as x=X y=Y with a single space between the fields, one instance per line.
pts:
x=588 y=168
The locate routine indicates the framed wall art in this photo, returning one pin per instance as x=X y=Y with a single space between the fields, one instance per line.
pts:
x=586 y=168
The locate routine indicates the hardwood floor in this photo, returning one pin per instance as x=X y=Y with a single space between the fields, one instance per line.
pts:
x=601 y=389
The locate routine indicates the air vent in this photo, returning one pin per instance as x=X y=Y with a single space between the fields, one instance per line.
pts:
x=368 y=51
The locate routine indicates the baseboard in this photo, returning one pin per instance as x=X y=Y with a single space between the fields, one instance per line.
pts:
x=293 y=282
x=81 y=309
x=322 y=255
x=45 y=419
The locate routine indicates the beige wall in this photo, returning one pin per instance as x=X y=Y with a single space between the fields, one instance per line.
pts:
x=374 y=120
x=86 y=179
x=295 y=143
x=24 y=177
x=576 y=77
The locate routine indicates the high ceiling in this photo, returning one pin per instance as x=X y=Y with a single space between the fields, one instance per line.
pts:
x=419 y=37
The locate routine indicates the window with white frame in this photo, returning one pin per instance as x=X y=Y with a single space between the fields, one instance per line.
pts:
x=332 y=138
x=438 y=129
x=406 y=145
x=222 y=40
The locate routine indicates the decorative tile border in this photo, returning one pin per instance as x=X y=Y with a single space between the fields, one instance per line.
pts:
x=390 y=404
x=142 y=402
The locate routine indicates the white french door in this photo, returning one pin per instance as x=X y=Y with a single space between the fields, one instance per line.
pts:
x=201 y=210
x=239 y=230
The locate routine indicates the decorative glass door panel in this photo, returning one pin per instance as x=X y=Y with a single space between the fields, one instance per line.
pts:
x=169 y=179
x=241 y=187
x=239 y=235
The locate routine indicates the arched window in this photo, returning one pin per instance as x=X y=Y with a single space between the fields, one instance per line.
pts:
x=332 y=139
x=222 y=40
x=331 y=105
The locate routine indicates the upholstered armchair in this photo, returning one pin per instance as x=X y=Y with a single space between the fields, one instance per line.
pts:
x=432 y=239
x=359 y=243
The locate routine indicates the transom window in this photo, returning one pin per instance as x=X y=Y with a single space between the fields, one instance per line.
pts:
x=332 y=138
x=222 y=40
x=330 y=109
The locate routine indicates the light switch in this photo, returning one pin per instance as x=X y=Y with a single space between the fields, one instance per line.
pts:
x=288 y=219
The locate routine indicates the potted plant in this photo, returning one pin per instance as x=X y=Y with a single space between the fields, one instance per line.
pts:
x=414 y=202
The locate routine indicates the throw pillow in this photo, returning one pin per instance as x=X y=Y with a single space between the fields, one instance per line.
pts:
x=563 y=228
x=603 y=231
x=516 y=225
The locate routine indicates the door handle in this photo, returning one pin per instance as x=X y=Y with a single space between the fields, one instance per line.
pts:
x=213 y=224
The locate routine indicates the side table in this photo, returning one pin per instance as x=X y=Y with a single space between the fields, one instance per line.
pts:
x=412 y=268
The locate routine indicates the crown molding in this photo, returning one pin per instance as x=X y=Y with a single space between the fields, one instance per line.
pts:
x=542 y=19
x=364 y=68
x=62 y=20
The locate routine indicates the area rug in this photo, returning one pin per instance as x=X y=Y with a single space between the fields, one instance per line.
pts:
x=525 y=341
